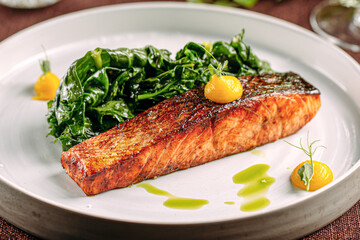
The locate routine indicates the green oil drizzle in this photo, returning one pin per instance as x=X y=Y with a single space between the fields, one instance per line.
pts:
x=174 y=201
x=256 y=204
x=256 y=184
x=229 y=203
x=259 y=153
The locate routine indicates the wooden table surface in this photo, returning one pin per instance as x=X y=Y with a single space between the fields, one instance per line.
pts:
x=296 y=11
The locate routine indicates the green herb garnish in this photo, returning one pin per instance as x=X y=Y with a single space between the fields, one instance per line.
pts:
x=219 y=68
x=45 y=64
x=306 y=172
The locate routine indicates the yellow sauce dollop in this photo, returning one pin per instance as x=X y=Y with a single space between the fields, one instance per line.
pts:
x=46 y=87
x=223 y=89
x=322 y=176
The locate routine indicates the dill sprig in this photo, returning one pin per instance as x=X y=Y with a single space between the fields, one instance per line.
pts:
x=211 y=68
x=306 y=172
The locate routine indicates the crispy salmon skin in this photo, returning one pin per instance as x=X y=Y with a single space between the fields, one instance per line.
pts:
x=188 y=130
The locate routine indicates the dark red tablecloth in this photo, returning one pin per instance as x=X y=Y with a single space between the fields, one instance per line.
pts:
x=296 y=11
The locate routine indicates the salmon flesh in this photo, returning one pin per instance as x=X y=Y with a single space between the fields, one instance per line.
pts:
x=188 y=130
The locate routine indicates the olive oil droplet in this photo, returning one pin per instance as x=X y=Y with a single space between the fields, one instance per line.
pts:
x=174 y=201
x=256 y=185
x=256 y=204
x=185 y=203
x=259 y=153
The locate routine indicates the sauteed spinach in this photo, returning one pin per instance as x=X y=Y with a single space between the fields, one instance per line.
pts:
x=105 y=87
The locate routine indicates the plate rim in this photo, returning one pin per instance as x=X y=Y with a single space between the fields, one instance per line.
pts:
x=140 y=5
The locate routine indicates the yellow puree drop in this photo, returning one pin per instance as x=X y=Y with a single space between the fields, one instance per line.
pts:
x=322 y=176
x=223 y=89
x=46 y=87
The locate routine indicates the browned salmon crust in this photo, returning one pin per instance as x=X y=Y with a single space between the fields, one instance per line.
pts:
x=188 y=130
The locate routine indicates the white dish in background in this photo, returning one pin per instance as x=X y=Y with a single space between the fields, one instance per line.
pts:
x=39 y=197
x=27 y=4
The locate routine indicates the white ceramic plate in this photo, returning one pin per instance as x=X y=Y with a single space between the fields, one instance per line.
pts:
x=39 y=197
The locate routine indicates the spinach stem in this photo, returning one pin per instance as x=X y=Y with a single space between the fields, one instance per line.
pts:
x=154 y=94
x=96 y=55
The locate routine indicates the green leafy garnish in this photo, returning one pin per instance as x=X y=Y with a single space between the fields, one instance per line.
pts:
x=218 y=70
x=45 y=64
x=106 y=87
x=306 y=172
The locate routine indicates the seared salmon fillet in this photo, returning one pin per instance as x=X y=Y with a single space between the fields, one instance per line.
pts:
x=188 y=130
